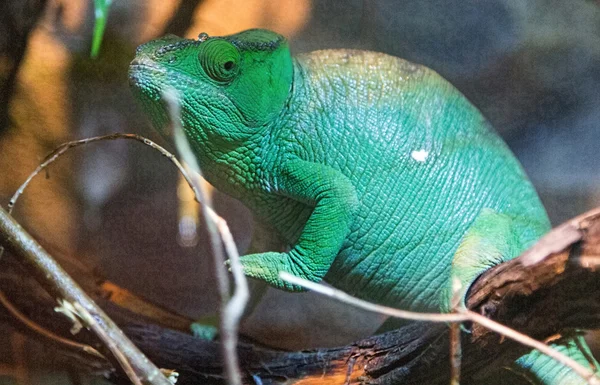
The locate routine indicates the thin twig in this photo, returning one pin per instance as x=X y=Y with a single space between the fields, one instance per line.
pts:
x=389 y=311
x=57 y=152
x=231 y=308
x=45 y=332
x=463 y=315
x=584 y=372
x=49 y=273
x=236 y=305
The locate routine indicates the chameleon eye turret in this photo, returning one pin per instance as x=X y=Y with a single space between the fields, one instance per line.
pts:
x=219 y=59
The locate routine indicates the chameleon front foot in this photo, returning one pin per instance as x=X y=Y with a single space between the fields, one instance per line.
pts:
x=266 y=267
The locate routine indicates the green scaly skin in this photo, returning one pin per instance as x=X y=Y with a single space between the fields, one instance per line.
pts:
x=381 y=177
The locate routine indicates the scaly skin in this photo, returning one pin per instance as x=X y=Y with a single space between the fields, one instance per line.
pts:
x=383 y=179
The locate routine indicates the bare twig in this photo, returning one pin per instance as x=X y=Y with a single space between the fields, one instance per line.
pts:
x=56 y=153
x=463 y=315
x=389 y=311
x=47 y=333
x=584 y=372
x=61 y=286
x=231 y=308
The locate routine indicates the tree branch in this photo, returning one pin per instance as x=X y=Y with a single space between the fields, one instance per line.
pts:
x=549 y=290
x=62 y=287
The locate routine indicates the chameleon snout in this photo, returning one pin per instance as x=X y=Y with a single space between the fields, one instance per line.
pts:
x=144 y=75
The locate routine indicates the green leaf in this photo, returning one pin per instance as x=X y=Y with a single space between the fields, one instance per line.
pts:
x=101 y=8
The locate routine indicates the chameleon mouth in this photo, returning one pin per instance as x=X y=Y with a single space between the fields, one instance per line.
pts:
x=146 y=80
x=144 y=76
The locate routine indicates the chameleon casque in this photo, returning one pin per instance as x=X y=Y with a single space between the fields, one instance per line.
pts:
x=381 y=177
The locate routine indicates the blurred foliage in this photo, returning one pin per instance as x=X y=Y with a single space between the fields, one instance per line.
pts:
x=101 y=8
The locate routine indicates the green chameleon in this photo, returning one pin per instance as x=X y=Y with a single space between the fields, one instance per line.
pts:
x=379 y=176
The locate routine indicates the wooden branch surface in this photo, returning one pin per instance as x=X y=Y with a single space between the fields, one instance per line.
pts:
x=551 y=288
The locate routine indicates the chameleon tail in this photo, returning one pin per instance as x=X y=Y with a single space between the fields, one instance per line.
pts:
x=540 y=369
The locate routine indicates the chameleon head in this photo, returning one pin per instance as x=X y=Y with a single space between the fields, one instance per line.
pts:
x=229 y=87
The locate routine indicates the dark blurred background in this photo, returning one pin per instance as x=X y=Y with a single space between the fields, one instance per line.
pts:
x=532 y=67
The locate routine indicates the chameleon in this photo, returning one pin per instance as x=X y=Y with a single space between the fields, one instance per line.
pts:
x=378 y=176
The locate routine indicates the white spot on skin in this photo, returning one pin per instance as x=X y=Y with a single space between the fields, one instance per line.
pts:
x=419 y=156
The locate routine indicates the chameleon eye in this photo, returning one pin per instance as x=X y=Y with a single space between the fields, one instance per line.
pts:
x=219 y=59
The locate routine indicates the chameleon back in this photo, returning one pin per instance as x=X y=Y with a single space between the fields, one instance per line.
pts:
x=424 y=163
